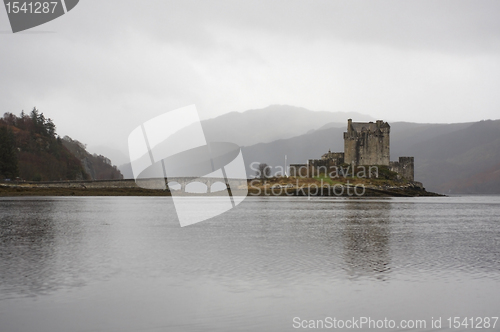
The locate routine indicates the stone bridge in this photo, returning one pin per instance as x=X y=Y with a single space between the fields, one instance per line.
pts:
x=180 y=183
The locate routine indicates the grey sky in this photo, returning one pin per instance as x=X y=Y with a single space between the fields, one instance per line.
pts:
x=107 y=66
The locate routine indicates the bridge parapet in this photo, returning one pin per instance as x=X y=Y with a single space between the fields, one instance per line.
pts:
x=208 y=182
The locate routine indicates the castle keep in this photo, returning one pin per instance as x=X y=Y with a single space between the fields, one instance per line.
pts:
x=365 y=144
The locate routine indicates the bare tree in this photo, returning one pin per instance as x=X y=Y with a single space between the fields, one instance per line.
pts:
x=263 y=171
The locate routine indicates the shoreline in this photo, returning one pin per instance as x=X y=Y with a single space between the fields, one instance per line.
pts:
x=33 y=190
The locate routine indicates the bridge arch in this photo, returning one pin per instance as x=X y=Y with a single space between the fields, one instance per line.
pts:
x=196 y=187
x=218 y=186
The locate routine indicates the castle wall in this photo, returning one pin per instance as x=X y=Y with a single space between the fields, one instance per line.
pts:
x=405 y=167
x=299 y=170
x=334 y=158
x=350 y=150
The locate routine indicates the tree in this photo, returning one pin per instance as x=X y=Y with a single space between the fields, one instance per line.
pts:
x=42 y=126
x=263 y=171
x=9 y=119
x=50 y=128
x=8 y=156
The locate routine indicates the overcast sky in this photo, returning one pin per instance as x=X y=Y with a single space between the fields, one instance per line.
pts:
x=107 y=66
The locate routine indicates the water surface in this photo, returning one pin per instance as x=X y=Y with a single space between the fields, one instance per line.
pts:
x=124 y=264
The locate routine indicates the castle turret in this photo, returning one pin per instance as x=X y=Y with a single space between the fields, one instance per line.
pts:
x=405 y=167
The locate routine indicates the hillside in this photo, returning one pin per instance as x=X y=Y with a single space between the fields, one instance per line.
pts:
x=31 y=150
x=96 y=166
x=486 y=182
x=461 y=161
x=297 y=149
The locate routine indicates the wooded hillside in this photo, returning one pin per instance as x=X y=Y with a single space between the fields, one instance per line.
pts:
x=31 y=150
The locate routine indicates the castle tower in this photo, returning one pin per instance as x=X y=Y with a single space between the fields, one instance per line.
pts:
x=367 y=143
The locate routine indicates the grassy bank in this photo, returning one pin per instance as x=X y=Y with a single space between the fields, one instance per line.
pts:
x=38 y=191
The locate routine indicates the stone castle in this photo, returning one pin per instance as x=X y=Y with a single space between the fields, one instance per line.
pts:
x=365 y=144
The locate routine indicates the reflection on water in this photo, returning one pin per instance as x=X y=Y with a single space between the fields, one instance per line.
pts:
x=27 y=255
x=124 y=264
x=366 y=236
x=48 y=245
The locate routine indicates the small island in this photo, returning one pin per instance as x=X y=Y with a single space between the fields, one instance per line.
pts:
x=363 y=169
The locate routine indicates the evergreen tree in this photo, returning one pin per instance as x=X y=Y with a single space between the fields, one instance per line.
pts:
x=8 y=156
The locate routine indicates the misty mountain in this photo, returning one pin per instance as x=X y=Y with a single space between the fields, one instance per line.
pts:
x=116 y=156
x=454 y=161
x=258 y=126
x=449 y=158
x=126 y=170
x=271 y=123
x=297 y=149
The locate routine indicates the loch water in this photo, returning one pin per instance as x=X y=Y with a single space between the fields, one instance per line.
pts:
x=270 y=264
